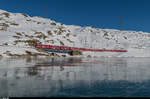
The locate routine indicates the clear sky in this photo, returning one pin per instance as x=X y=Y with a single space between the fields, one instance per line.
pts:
x=96 y=13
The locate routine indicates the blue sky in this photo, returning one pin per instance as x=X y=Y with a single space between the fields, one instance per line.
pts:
x=96 y=13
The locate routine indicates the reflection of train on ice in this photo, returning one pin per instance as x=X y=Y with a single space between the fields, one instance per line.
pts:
x=66 y=49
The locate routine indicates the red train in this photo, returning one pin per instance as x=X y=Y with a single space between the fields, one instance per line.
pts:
x=73 y=48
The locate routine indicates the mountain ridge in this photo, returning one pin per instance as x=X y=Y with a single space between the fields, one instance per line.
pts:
x=18 y=31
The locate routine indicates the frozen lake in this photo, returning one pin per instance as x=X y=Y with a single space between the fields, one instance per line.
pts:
x=75 y=77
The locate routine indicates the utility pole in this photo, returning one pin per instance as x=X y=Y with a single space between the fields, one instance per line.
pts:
x=121 y=22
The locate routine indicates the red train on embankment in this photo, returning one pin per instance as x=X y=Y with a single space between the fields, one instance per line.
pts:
x=52 y=48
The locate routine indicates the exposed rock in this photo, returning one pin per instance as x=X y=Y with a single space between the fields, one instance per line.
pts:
x=75 y=53
x=63 y=55
x=14 y=24
x=54 y=54
x=24 y=15
x=89 y=56
x=6 y=14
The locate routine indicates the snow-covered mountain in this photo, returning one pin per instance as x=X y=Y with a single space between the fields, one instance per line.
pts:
x=18 y=31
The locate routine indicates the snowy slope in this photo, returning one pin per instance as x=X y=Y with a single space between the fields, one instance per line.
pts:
x=18 y=31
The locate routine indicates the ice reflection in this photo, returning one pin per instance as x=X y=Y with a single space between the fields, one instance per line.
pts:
x=55 y=76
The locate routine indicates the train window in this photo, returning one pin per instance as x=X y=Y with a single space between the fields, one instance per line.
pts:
x=56 y=47
x=62 y=48
x=51 y=47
